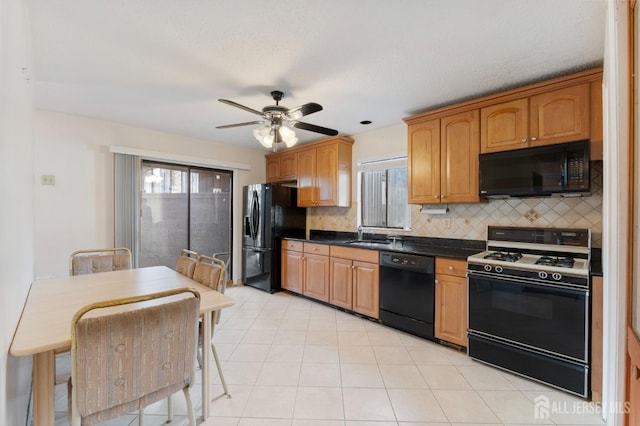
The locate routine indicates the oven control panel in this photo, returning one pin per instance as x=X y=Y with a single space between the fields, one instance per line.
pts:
x=504 y=273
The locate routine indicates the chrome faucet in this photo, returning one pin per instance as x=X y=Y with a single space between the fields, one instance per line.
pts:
x=359 y=233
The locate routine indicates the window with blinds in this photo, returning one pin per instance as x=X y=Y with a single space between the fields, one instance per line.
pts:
x=383 y=194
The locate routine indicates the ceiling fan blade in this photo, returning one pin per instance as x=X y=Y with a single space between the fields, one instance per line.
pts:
x=314 y=128
x=237 y=105
x=247 y=123
x=303 y=110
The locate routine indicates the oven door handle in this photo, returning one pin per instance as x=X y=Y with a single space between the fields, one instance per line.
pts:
x=518 y=280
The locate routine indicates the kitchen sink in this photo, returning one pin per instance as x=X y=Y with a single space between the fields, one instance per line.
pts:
x=369 y=243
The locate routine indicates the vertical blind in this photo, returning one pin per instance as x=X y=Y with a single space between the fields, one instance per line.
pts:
x=127 y=172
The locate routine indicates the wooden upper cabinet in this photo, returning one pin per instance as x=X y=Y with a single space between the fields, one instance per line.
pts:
x=460 y=150
x=423 y=153
x=327 y=175
x=443 y=159
x=557 y=116
x=322 y=170
x=504 y=126
x=273 y=169
x=596 y=120
x=307 y=178
x=282 y=167
x=324 y=173
x=289 y=167
x=560 y=115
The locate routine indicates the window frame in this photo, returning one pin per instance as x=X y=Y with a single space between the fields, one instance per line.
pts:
x=386 y=164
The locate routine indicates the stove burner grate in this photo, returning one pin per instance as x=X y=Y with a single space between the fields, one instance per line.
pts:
x=504 y=256
x=563 y=262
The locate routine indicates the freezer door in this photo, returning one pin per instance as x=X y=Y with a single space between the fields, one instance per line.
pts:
x=256 y=267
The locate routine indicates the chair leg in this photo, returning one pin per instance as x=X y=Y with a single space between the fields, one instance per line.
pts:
x=141 y=417
x=199 y=355
x=224 y=383
x=192 y=416
x=169 y=409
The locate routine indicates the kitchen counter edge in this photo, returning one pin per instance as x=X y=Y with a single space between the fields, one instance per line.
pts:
x=400 y=247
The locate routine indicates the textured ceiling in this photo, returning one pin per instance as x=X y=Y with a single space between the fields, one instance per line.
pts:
x=162 y=64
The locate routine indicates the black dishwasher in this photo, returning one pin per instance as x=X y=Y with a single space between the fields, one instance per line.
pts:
x=407 y=292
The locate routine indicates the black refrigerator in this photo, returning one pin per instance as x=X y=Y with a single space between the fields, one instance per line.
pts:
x=270 y=213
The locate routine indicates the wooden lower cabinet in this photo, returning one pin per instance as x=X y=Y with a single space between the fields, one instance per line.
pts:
x=316 y=277
x=355 y=277
x=292 y=271
x=341 y=286
x=451 y=301
x=342 y=276
x=366 y=290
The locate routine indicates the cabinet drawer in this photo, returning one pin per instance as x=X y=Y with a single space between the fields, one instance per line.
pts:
x=453 y=267
x=362 y=255
x=322 y=249
x=292 y=245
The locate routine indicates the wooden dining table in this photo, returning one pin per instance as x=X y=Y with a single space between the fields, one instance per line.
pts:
x=45 y=324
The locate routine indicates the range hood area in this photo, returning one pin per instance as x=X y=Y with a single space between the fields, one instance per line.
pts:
x=543 y=171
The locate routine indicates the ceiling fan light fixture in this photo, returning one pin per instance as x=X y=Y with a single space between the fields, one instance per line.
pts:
x=288 y=136
x=264 y=135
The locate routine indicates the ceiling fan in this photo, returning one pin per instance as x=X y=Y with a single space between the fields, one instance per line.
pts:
x=274 y=121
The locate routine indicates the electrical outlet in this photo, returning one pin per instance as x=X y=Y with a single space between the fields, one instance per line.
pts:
x=47 y=180
x=447 y=223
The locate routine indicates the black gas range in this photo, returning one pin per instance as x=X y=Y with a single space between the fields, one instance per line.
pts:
x=529 y=304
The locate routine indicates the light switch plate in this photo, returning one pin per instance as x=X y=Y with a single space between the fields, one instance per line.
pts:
x=447 y=223
x=47 y=180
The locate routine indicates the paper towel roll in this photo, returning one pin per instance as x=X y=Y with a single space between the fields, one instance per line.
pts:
x=430 y=210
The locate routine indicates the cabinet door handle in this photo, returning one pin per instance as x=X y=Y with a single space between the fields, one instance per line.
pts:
x=436 y=196
x=450 y=268
x=353 y=267
x=533 y=138
x=436 y=281
x=523 y=140
x=443 y=196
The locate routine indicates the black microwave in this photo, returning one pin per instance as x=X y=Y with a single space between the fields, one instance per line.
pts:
x=561 y=169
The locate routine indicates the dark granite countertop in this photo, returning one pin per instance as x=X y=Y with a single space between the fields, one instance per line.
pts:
x=443 y=247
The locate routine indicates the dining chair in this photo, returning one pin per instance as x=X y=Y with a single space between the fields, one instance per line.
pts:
x=124 y=360
x=83 y=262
x=99 y=260
x=211 y=272
x=186 y=263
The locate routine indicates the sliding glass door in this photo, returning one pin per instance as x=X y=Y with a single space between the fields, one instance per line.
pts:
x=184 y=207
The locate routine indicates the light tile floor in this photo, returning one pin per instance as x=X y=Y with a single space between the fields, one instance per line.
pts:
x=290 y=361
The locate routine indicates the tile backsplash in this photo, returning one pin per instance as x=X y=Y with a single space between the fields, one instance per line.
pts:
x=470 y=221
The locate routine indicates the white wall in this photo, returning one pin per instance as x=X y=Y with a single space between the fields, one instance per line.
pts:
x=77 y=212
x=16 y=203
x=615 y=252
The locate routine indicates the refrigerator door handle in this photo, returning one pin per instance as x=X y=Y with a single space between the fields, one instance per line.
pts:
x=255 y=215
x=257 y=250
